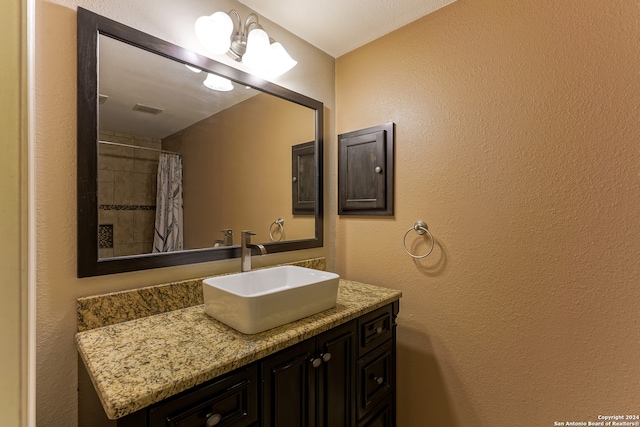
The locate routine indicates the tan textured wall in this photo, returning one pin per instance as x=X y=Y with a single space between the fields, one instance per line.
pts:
x=13 y=216
x=55 y=91
x=517 y=142
x=242 y=155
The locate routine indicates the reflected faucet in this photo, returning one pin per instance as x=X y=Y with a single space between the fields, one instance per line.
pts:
x=245 y=249
x=228 y=238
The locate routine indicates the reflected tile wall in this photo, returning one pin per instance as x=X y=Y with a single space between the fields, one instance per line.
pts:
x=127 y=192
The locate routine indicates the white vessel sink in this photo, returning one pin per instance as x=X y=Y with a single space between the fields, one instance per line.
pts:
x=258 y=300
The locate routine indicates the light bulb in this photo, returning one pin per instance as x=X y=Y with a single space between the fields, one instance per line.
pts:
x=281 y=61
x=258 y=49
x=218 y=83
x=214 y=32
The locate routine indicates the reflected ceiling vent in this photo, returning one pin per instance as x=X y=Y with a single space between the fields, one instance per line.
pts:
x=102 y=99
x=147 y=109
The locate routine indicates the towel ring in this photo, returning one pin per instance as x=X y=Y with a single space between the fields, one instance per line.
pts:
x=280 y=223
x=421 y=228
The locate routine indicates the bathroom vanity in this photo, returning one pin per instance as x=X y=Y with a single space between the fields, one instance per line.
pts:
x=183 y=368
x=152 y=357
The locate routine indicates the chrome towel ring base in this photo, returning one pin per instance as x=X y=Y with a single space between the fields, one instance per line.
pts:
x=420 y=227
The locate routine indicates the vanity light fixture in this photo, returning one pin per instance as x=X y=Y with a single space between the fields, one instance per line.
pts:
x=248 y=43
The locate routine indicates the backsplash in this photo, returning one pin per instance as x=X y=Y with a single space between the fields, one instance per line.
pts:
x=108 y=309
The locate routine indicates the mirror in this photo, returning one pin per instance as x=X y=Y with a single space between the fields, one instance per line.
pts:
x=140 y=106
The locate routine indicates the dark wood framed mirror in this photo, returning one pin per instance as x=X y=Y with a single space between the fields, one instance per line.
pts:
x=241 y=181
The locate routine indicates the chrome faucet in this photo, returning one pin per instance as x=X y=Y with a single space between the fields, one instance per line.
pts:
x=228 y=238
x=245 y=249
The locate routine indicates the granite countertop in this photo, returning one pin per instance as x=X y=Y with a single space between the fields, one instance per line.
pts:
x=139 y=362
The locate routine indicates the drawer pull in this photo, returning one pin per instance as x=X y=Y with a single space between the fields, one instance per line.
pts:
x=213 y=419
x=326 y=357
x=379 y=380
x=379 y=330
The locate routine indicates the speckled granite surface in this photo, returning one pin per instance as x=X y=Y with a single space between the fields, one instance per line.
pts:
x=109 y=309
x=143 y=361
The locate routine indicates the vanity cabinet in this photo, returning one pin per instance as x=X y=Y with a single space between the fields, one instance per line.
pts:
x=312 y=383
x=344 y=377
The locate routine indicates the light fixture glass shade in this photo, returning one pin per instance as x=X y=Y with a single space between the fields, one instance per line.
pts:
x=216 y=82
x=281 y=61
x=258 y=49
x=214 y=32
x=271 y=63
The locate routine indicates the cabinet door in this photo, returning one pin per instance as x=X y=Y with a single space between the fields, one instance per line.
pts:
x=286 y=392
x=365 y=171
x=335 y=377
x=303 y=194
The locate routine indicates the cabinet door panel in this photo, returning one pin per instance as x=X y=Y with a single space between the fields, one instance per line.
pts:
x=303 y=182
x=285 y=389
x=336 y=386
x=365 y=171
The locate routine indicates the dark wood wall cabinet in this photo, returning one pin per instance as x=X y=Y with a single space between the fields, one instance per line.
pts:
x=344 y=377
x=365 y=171
x=303 y=181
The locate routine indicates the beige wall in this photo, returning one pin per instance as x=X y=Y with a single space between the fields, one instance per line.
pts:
x=237 y=171
x=517 y=142
x=13 y=216
x=55 y=153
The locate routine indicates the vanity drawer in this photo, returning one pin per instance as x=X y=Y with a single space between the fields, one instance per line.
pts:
x=381 y=415
x=374 y=329
x=375 y=376
x=231 y=401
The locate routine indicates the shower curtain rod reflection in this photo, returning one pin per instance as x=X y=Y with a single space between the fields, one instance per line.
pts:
x=141 y=148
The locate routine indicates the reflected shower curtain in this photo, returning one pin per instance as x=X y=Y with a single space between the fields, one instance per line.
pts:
x=169 y=231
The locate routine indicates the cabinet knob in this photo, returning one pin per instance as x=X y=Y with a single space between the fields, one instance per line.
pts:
x=379 y=380
x=379 y=330
x=213 y=419
x=326 y=357
x=316 y=362
x=378 y=169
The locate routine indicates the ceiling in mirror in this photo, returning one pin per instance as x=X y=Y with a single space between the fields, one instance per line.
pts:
x=235 y=149
x=130 y=76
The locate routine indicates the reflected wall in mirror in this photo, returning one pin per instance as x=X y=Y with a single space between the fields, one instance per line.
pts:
x=138 y=103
